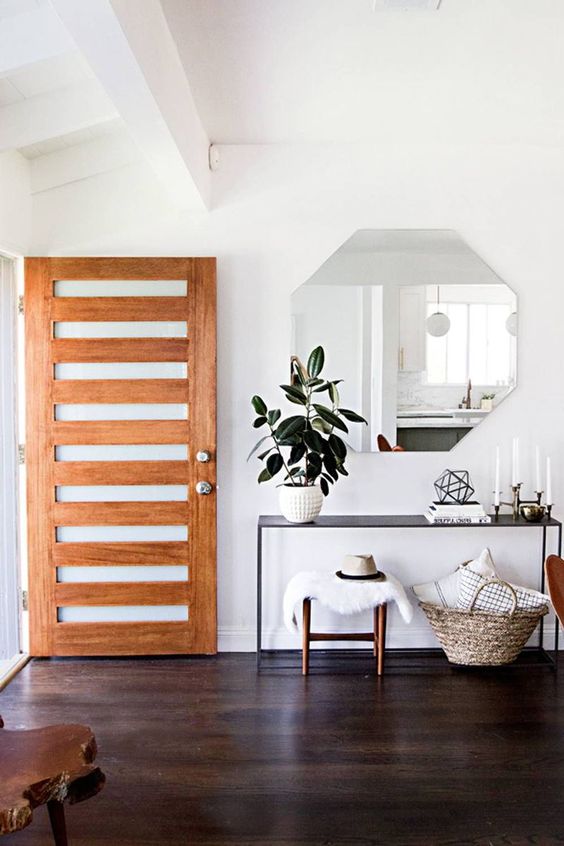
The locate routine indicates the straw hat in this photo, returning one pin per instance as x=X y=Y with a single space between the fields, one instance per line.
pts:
x=360 y=568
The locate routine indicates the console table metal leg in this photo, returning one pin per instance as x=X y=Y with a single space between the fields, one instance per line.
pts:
x=259 y=597
x=543 y=559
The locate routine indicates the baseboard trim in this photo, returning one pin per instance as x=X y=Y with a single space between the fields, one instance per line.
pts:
x=13 y=668
x=243 y=639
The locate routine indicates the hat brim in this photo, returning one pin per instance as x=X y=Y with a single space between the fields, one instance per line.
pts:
x=376 y=577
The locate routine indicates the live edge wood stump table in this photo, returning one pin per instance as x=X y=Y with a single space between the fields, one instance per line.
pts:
x=408 y=522
x=45 y=766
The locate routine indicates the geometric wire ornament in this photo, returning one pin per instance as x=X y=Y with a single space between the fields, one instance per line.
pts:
x=454 y=486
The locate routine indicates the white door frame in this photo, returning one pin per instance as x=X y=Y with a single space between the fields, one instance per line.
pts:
x=9 y=558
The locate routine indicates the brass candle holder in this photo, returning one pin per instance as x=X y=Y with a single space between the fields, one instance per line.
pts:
x=535 y=511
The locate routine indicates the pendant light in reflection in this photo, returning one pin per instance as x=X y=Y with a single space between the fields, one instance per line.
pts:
x=437 y=324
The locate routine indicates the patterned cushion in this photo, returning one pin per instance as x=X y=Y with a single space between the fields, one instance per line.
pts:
x=445 y=591
x=495 y=598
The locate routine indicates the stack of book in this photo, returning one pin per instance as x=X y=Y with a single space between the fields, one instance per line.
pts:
x=452 y=514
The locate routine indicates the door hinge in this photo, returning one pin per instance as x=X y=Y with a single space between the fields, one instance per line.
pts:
x=21 y=453
x=20 y=304
x=25 y=601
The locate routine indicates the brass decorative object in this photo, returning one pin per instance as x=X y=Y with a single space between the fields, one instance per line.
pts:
x=533 y=513
x=518 y=506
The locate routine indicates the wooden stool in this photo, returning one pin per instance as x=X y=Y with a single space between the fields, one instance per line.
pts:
x=377 y=637
x=45 y=766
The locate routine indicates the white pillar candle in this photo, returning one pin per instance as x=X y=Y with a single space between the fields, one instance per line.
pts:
x=538 y=487
x=497 y=491
x=548 y=483
x=515 y=464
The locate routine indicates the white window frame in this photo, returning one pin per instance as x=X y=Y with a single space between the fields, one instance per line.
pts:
x=10 y=623
x=446 y=384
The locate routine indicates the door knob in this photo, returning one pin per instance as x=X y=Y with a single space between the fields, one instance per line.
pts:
x=204 y=488
x=203 y=456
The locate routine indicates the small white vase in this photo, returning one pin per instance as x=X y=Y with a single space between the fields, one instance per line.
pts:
x=300 y=504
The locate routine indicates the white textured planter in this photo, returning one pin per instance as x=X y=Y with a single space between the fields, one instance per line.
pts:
x=300 y=504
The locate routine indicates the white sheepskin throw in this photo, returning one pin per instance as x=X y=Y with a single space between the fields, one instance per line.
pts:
x=342 y=596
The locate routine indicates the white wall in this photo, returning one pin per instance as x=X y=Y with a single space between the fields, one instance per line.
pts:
x=332 y=316
x=279 y=213
x=15 y=203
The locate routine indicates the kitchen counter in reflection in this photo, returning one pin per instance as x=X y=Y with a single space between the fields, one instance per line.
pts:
x=440 y=418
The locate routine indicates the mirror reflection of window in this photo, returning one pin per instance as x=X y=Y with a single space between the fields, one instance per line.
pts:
x=477 y=345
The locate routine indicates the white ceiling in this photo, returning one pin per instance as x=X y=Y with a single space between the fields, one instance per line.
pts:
x=291 y=71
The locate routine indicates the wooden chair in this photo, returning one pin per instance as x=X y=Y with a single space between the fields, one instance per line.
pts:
x=377 y=636
x=385 y=446
x=554 y=569
x=46 y=766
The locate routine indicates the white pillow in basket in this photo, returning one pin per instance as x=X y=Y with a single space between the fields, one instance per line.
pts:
x=445 y=591
x=495 y=598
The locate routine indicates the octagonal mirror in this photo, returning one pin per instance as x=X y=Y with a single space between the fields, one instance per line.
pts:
x=421 y=330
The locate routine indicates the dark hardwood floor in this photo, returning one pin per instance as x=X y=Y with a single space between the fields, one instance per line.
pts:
x=203 y=751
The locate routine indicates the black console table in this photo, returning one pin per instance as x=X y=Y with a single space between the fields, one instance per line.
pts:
x=407 y=521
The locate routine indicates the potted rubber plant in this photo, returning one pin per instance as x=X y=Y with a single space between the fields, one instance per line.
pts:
x=305 y=450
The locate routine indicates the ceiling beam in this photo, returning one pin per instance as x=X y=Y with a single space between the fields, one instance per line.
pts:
x=53 y=114
x=81 y=161
x=134 y=56
x=31 y=37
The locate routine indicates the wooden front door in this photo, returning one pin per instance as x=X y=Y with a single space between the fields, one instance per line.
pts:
x=121 y=392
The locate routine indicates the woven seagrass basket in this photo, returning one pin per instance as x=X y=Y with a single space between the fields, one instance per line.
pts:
x=480 y=638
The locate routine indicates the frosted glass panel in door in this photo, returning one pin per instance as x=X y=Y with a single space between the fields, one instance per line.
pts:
x=117 y=411
x=122 y=370
x=121 y=288
x=119 y=329
x=121 y=493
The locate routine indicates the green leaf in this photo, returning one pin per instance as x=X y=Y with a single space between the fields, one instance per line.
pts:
x=328 y=477
x=333 y=393
x=342 y=470
x=259 y=405
x=321 y=425
x=290 y=427
x=330 y=465
x=257 y=446
x=297 y=453
x=295 y=399
x=338 y=446
x=260 y=421
x=311 y=383
x=324 y=487
x=351 y=415
x=315 y=362
x=291 y=441
x=274 y=416
x=263 y=455
x=314 y=441
x=294 y=390
x=295 y=473
x=264 y=476
x=330 y=417
x=297 y=373
x=274 y=463
x=313 y=466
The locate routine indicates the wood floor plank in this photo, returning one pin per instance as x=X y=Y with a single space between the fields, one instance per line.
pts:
x=210 y=754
